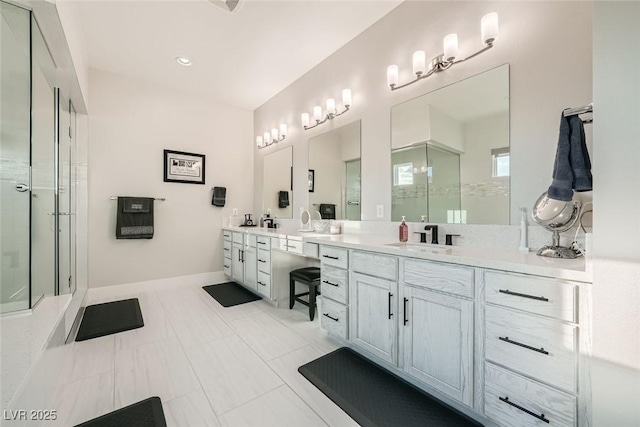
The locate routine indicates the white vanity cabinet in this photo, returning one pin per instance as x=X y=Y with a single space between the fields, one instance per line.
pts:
x=437 y=326
x=227 y=247
x=334 y=288
x=237 y=259
x=250 y=262
x=531 y=350
x=373 y=303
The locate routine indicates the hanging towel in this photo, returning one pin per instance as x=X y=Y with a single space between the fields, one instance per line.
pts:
x=219 y=196
x=134 y=218
x=572 y=168
x=283 y=199
x=328 y=211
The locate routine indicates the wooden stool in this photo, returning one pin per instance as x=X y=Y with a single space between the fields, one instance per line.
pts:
x=309 y=276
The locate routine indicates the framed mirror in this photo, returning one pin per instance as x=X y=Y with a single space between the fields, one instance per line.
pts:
x=450 y=153
x=334 y=173
x=277 y=175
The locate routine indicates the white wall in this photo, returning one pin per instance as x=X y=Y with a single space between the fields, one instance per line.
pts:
x=130 y=125
x=548 y=47
x=616 y=287
x=276 y=178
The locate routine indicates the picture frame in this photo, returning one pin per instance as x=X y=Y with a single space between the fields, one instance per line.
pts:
x=312 y=180
x=183 y=167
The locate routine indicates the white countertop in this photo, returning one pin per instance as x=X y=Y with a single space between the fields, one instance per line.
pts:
x=508 y=260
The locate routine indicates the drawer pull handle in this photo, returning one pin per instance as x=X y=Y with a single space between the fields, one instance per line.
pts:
x=330 y=257
x=541 y=417
x=260 y=283
x=508 y=292
x=261 y=243
x=226 y=249
x=335 y=319
x=390 y=313
x=406 y=320
x=261 y=260
x=329 y=283
x=226 y=266
x=539 y=350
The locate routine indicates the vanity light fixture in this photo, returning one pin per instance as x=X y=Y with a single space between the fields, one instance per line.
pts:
x=272 y=137
x=184 y=61
x=489 y=30
x=331 y=111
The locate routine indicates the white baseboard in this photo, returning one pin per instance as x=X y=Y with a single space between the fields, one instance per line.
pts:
x=152 y=285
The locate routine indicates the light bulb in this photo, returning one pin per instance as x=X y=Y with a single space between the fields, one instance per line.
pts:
x=392 y=75
x=418 y=62
x=331 y=106
x=450 y=47
x=283 y=130
x=346 y=97
x=274 y=134
x=317 y=112
x=259 y=141
x=267 y=138
x=305 y=119
x=489 y=27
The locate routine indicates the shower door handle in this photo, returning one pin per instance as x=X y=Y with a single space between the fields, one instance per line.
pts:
x=21 y=188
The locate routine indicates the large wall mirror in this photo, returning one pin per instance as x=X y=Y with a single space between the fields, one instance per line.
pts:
x=277 y=175
x=450 y=153
x=334 y=173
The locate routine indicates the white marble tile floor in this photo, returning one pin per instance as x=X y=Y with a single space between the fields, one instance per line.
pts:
x=210 y=365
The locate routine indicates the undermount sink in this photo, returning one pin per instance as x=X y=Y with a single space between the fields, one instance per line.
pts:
x=421 y=247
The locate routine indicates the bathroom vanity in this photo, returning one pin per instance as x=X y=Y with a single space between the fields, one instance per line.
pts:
x=501 y=334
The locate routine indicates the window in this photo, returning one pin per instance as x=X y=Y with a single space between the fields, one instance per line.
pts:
x=500 y=159
x=403 y=174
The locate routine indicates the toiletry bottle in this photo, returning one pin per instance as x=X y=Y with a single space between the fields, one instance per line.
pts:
x=523 y=231
x=262 y=221
x=422 y=218
x=404 y=231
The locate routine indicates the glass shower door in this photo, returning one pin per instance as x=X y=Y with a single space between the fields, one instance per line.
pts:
x=64 y=196
x=352 y=210
x=15 y=152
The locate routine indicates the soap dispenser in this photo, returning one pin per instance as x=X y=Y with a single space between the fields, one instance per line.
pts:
x=404 y=231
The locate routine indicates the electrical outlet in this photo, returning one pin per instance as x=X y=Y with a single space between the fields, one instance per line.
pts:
x=380 y=211
x=234 y=211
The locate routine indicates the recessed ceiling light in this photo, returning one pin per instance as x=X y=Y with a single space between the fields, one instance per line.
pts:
x=183 y=61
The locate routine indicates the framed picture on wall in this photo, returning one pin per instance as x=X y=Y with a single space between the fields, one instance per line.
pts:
x=312 y=180
x=187 y=168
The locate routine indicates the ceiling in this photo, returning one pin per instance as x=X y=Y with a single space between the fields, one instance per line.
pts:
x=242 y=58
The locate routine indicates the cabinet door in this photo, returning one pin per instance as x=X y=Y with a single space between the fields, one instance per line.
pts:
x=373 y=323
x=250 y=268
x=438 y=341
x=237 y=266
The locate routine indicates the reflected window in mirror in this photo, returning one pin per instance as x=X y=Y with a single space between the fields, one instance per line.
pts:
x=277 y=173
x=456 y=140
x=334 y=157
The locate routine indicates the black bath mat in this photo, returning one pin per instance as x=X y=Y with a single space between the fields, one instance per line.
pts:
x=373 y=396
x=146 y=413
x=109 y=318
x=230 y=294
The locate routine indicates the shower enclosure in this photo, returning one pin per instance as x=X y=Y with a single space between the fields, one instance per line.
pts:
x=37 y=169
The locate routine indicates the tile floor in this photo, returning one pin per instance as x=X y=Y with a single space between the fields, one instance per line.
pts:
x=210 y=365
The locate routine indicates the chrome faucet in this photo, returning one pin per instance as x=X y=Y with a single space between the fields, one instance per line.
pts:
x=434 y=233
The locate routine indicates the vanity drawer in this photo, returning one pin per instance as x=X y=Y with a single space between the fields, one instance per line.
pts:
x=263 y=242
x=264 y=284
x=333 y=317
x=372 y=264
x=336 y=257
x=264 y=261
x=512 y=400
x=226 y=266
x=238 y=238
x=548 y=297
x=251 y=240
x=543 y=348
x=294 y=246
x=226 y=235
x=226 y=248
x=310 y=250
x=334 y=284
x=448 y=278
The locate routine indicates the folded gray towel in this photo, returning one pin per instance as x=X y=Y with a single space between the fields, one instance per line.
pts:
x=572 y=167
